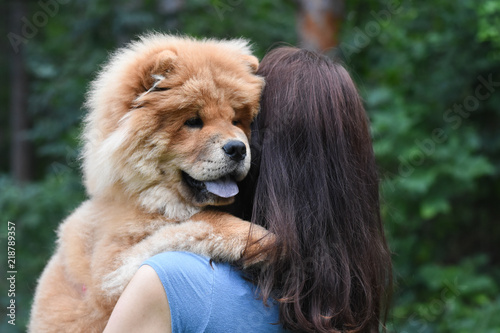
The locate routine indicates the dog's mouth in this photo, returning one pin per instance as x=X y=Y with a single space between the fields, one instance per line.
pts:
x=224 y=187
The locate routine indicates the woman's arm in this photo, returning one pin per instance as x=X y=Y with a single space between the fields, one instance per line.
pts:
x=143 y=306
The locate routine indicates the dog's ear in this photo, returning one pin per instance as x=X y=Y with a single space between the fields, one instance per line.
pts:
x=158 y=66
x=163 y=62
x=252 y=62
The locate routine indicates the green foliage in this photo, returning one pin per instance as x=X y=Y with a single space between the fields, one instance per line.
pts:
x=488 y=23
x=36 y=209
x=456 y=298
x=265 y=22
x=435 y=124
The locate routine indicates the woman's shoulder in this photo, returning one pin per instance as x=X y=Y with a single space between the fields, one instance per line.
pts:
x=207 y=296
x=175 y=263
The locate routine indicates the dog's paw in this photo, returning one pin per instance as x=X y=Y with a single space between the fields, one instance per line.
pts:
x=115 y=282
x=259 y=241
x=230 y=238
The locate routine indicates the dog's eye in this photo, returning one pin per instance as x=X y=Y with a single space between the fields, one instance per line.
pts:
x=236 y=122
x=194 y=122
x=160 y=89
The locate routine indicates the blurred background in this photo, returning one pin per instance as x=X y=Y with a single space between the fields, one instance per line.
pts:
x=429 y=74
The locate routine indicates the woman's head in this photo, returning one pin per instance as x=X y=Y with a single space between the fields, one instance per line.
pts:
x=314 y=184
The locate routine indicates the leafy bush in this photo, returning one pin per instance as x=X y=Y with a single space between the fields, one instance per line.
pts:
x=36 y=209
x=432 y=92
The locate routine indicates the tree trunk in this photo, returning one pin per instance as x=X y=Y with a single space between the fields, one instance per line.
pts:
x=318 y=24
x=20 y=147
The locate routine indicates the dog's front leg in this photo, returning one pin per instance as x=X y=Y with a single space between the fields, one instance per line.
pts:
x=231 y=236
x=216 y=235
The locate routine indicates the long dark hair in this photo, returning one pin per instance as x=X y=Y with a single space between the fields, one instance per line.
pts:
x=314 y=184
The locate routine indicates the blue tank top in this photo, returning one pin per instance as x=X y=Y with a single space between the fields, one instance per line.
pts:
x=206 y=299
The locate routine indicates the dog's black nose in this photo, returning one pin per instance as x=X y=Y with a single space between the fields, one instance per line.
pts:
x=236 y=150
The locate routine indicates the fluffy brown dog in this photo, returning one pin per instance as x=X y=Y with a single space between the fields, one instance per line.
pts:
x=166 y=135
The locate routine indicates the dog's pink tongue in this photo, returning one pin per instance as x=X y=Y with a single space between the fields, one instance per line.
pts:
x=223 y=187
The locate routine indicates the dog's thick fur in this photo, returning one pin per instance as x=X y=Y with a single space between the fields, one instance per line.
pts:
x=160 y=112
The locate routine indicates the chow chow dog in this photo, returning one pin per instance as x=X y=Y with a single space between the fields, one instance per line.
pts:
x=166 y=135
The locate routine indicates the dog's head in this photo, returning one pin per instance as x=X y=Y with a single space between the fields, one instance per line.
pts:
x=169 y=122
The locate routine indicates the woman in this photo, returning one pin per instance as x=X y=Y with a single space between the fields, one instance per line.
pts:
x=314 y=184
